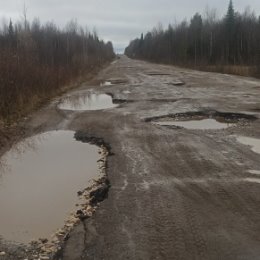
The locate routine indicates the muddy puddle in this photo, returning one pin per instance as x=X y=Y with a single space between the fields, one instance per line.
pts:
x=254 y=180
x=39 y=181
x=113 y=81
x=254 y=172
x=202 y=124
x=176 y=83
x=83 y=102
x=254 y=143
x=106 y=83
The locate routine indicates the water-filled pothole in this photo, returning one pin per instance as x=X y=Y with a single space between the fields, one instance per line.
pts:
x=113 y=81
x=39 y=181
x=105 y=84
x=254 y=172
x=202 y=120
x=83 y=102
x=176 y=83
x=254 y=180
x=196 y=124
x=254 y=143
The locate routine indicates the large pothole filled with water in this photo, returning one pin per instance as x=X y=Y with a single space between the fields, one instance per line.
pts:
x=197 y=124
x=208 y=120
x=39 y=181
x=253 y=143
x=87 y=101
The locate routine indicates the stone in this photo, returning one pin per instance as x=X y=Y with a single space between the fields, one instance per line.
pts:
x=43 y=240
x=80 y=193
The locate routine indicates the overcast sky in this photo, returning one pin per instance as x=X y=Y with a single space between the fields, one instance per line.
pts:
x=117 y=20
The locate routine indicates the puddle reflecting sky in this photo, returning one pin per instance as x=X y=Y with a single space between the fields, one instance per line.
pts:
x=197 y=124
x=106 y=83
x=85 y=102
x=39 y=181
x=253 y=142
x=255 y=172
x=255 y=180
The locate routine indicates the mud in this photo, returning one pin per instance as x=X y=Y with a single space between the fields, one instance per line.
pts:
x=173 y=193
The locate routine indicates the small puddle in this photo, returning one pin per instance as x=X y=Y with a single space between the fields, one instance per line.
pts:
x=255 y=180
x=87 y=102
x=255 y=172
x=176 y=83
x=39 y=181
x=254 y=143
x=202 y=124
x=106 y=83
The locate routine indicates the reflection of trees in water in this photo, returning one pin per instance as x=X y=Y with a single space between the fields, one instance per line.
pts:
x=30 y=143
x=87 y=100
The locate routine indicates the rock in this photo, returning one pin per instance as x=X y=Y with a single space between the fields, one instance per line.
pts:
x=43 y=240
x=80 y=193
x=2 y=253
x=79 y=212
x=99 y=194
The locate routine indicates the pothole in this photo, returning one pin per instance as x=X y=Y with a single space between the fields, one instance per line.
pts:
x=113 y=81
x=253 y=143
x=176 y=83
x=155 y=73
x=196 y=124
x=206 y=120
x=254 y=180
x=106 y=83
x=255 y=172
x=88 y=101
x=39 y=181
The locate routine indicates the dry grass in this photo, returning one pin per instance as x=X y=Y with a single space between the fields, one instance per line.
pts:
x=240 y=70
x=36 y=64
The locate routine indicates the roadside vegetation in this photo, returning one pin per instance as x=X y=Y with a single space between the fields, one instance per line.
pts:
x=38 y=60
x=227 y=45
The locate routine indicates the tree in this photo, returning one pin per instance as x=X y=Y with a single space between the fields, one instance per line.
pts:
x=196 y=29
x=230 y=33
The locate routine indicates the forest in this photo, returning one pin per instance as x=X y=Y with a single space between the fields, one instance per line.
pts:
x=38 y=60
x=229 y=45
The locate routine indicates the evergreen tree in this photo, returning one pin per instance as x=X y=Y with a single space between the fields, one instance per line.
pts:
x=230 y=33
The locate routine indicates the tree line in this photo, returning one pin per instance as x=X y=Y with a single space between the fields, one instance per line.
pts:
x=204 y=42
x=38 y=60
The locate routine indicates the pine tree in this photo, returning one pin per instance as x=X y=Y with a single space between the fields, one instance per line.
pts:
x=230 y=33
x=11 y=28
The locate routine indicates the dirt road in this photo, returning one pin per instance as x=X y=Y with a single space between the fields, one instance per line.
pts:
x=175 y=193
